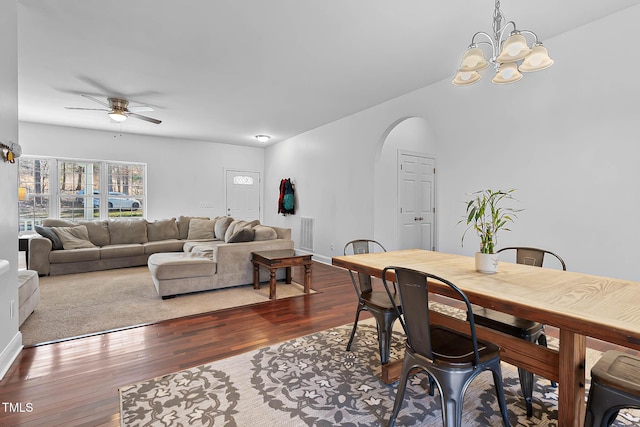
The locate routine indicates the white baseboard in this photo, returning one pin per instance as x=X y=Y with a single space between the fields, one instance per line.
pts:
x=320 y=258
x=10 y=353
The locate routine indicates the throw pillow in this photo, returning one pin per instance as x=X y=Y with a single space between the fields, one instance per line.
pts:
x=124 y=232
x=183 y=225
x=242 y=235
x=201 y=229
x=236 y=224
x=221 y=227
x=74 y=237
x=162 y=229
x=264 y=233
x=48 y=232
x=98 y=232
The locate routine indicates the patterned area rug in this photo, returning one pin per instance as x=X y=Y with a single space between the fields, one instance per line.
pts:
x=313 y=381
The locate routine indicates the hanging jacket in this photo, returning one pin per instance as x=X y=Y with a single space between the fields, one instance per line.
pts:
x=286 y=201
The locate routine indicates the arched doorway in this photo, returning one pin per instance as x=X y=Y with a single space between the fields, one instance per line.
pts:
x=412 y=136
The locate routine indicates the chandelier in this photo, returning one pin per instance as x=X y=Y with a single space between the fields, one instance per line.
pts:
x=509 y=55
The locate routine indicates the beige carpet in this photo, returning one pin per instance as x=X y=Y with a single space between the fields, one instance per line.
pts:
x=313 y=381
x=79 y=304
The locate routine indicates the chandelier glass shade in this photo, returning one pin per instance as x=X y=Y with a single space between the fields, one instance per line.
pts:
x=510 y=55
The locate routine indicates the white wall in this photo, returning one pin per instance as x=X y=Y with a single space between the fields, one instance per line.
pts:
x=180 y=173
x=565 y=137
x=10 y=338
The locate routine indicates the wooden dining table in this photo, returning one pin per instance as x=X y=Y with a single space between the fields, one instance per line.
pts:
x=578 y=304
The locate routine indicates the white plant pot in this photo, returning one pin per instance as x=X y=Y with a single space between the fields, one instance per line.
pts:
x=486 y=263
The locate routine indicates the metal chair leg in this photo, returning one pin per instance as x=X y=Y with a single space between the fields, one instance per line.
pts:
x=355 y=326
x=526 y=386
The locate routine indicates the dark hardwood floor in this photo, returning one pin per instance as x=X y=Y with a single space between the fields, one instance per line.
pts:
x=75 y=383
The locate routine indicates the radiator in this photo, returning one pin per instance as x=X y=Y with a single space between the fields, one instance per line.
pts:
x=306 y=234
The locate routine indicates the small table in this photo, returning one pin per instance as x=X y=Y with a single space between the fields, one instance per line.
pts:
x=274 y=260
x=23 y=246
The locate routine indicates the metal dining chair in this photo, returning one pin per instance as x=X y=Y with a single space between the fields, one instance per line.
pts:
x=452 y=359
x=615 y=385
x=375 y=302
x=516 y=326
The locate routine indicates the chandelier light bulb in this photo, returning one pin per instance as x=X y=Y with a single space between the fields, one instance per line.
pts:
x=507 y=73
x=537 y=60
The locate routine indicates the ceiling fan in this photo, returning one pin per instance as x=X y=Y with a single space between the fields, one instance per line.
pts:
x=119 y=110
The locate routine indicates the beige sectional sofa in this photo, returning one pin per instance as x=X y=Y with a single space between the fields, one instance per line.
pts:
x=66 y=247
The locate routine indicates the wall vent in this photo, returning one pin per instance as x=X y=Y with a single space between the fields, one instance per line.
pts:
x=306 y=234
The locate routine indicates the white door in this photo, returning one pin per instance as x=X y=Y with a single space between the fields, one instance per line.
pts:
x=243 y=195
x=416 y=200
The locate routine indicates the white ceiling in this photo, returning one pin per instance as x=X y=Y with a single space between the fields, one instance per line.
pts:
x=226 y=70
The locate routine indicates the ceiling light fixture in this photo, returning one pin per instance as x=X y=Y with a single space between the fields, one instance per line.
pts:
x=118 y=116
x=263 y=138
x=509 y=55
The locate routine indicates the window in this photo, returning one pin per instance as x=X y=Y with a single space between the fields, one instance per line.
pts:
x=243 y=180
x=33 y=191
x=75 y=192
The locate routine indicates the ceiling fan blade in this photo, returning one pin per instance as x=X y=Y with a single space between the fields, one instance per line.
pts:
x=139 y=109
x=97 y=100
x=91 y=109
x=148 y=119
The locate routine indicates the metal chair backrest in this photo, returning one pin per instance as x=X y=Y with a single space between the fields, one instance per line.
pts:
x=532 y=256
x=413 y=286
x=362 y=246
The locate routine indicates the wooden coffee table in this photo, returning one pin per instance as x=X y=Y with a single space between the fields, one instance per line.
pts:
x=273 y=260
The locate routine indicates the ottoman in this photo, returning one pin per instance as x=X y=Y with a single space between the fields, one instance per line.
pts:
x=180 y=273
x=28 y=293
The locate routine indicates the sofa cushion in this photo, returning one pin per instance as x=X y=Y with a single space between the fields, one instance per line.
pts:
x=128 y=231
x=48 y=232
x=180 y=266
x=169 y=245
x=221 y=226
x=74 y=237
x=162 y=229
x=75 y=255
x=183 y=225
x=200 y=229
x=121 y=251
x=98 y=232
x=262 y=232
x=242 y=235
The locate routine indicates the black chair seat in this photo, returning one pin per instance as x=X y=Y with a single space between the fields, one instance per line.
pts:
x=454 y=349
x=380 y=300
x=508 y=324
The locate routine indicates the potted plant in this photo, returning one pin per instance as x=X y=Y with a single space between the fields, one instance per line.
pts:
x=486 y=215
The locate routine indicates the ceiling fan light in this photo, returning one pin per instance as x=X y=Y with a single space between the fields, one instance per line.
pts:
x=537 y=60
x=514 y=49
x=117 y=116
x=473 y=60
x=507 y=73
x=466 y=78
